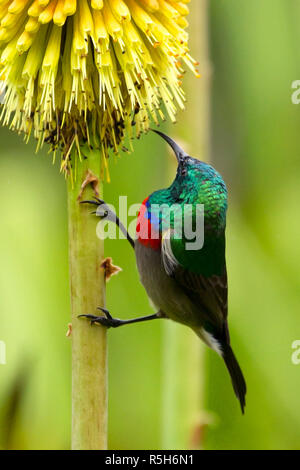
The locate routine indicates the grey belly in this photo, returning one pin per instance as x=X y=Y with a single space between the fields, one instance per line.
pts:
x=164 y=292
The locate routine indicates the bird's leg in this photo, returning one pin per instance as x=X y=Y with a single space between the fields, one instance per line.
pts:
x=105 y=212
x=111 y=322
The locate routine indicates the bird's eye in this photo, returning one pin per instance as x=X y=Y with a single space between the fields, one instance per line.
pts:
x=183 y=172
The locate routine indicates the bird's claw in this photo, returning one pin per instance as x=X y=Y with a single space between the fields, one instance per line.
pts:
x=96 y=201
x=106 y=312
x=101 y=211
x=100 y=201
x=108 y=321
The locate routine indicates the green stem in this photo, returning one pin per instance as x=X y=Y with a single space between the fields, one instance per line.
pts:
x=184 y=376
x=89 y=350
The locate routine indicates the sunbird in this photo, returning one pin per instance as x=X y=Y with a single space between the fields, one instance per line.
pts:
x=185 y=281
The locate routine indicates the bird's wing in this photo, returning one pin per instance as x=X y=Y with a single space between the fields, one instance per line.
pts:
x=209 y=291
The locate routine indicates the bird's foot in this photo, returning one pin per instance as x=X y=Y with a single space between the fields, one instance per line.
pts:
x=95 y=201
x=108 y=321
x=103 y=210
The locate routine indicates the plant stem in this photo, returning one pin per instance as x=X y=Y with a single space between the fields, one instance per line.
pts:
x=183 y=382
x=89 y=350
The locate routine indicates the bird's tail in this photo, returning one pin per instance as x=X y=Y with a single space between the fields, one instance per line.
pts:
x=237 y=378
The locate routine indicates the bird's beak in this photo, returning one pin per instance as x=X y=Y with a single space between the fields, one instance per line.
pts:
x=179 y=153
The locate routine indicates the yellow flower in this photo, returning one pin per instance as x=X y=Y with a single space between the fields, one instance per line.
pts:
x=76 y=71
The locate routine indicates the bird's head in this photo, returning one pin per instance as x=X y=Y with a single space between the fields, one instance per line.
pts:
x=196 y=182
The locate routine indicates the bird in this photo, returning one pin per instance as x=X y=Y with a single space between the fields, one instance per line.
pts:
x=186 y=281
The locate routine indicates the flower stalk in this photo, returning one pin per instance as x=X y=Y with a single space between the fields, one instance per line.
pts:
x=89 y=350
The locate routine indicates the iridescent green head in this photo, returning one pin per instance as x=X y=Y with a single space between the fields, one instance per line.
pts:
x=197 y=182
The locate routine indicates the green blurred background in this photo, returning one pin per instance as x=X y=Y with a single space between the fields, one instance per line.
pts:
x=256 y=146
